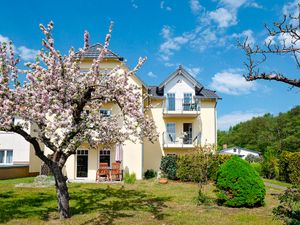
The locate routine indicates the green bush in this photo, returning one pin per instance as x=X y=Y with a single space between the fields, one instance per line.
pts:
x=239 y=185
x=289 y=207
x=251 y=158
x=168 y=166
x=150 y=174
x=257 y=167
x=289 y=167
x=270 y=165
x=129 y=178
x=199 y=166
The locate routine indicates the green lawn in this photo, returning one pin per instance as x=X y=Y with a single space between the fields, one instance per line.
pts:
x=145 y=202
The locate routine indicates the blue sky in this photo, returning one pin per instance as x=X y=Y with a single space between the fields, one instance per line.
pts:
x=200 y=35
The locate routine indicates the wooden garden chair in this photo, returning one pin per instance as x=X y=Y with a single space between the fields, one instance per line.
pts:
x=103 y=170
x=116 y=171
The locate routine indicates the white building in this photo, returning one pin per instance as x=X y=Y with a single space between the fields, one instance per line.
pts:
x=241 y=152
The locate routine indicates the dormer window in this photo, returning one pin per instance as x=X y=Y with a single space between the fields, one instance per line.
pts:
x=105 y=112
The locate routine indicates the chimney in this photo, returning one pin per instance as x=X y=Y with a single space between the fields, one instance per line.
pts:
x=224 y=146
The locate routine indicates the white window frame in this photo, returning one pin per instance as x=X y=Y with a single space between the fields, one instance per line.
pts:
x=5 y=157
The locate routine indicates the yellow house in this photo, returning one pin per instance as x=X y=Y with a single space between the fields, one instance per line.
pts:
x=184 y=113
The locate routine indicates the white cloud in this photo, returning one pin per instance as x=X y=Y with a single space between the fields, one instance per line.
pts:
x=223 y=17
x=23 y=52
x=195 y=6
x=163 y=6
x=233 y=118
x=291 y=8
x=3 y=39
x=254 y=5
x=151 y=74
x=194 y=71
x=232 y=83
x=27 y=53
x=233 y=3
x=134 y=5
x=171 y=43
x=246 y=34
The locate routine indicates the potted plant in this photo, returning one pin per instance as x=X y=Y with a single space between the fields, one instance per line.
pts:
x=163 y=178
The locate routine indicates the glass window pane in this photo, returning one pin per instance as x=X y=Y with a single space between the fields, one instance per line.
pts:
x=9 y=156
x=1 y=156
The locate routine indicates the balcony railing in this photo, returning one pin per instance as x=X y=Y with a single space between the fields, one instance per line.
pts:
x=180 y=105
x=183 y=140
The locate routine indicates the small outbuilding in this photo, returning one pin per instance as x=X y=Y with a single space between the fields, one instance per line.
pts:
x=241 y=152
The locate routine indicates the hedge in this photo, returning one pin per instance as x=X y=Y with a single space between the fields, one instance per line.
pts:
x=289 y=167
x=239 y=184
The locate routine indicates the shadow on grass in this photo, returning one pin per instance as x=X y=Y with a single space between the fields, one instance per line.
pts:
x=108 y=203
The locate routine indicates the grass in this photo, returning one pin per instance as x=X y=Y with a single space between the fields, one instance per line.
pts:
x=145 y=202
x=277 y=182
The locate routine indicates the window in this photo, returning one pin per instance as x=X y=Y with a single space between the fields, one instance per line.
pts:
x=171 y=132
x=6 y=156
x=105 y=112
x=187 y=101
x=104 y=156
x=171 y=101
x=82 y=163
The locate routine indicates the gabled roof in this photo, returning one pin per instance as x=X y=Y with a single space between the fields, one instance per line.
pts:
x=181 y=71
x=94 y=51
x=200 y=91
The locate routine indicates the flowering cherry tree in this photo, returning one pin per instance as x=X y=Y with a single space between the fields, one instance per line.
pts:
x=63 y=102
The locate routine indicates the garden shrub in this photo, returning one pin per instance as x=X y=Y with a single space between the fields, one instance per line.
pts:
x=289 y=167
x=129 y=178
x=270 y=165
x=239 y=185
x=150 y=174
x=252 y=158
x=289 y=207
x=168 y=166
x=199 y=166
x=257 y=166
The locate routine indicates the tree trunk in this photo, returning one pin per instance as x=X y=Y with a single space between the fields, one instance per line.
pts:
x=62 y=192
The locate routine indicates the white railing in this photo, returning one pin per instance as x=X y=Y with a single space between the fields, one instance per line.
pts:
x=182 y=140
x=180 y=105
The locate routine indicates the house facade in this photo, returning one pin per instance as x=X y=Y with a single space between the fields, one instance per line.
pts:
x=17 y=158
x=184 y=112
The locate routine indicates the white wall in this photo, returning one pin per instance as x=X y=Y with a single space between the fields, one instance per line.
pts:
x=242 y=152
x=179 y=85
x=15 y=142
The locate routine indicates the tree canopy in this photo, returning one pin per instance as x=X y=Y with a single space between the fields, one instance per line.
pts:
x=278 y=133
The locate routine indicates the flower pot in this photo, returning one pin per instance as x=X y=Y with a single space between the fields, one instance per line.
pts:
x=163 y=180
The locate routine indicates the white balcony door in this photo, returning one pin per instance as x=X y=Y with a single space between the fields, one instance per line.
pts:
x=171 y=101
x=171 y=133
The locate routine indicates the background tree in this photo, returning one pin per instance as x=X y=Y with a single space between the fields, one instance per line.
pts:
x=63 y=103
x=283 y=38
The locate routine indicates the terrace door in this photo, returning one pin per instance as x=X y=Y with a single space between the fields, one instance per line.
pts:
x=82 y=163
x=171 y=133
x=188 y=132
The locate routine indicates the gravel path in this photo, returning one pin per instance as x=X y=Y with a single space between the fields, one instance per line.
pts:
x=275 y=186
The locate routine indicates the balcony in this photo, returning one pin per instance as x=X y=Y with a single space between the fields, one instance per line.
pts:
x=180 y=108
x=183 y=141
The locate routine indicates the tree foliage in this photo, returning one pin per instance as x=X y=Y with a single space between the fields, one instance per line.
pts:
x=279 y=133
x=63 y=102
